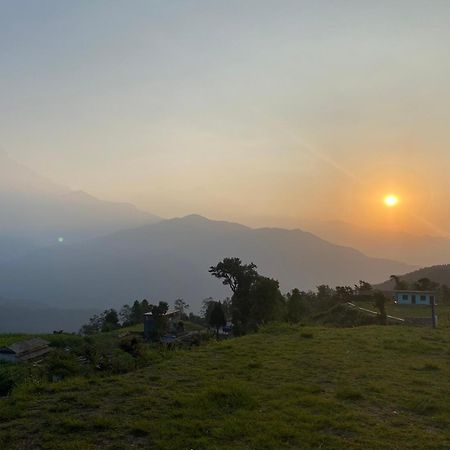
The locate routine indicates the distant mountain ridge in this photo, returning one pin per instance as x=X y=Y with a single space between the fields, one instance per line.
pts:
x=170 y=259
x=421 y=250
x=36 y=212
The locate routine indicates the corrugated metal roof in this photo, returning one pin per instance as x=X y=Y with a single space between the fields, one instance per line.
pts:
x=30 y=346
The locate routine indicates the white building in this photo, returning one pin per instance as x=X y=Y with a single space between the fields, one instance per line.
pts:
x=408 y=297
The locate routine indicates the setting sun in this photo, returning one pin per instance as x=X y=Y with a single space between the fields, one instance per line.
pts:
x=391 y=200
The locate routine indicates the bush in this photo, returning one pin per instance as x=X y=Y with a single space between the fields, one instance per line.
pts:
x=10 y=376
x=62 y=365
x=121 y=362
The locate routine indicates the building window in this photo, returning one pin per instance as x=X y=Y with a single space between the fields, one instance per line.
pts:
x=431 y=298
x=423 y=298
x=405 y=296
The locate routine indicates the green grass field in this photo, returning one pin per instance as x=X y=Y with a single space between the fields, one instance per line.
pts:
x=286 y=387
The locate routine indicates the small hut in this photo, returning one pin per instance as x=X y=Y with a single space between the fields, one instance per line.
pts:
x=24 y=351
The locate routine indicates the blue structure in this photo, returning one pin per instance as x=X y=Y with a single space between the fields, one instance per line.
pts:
x=407 y=297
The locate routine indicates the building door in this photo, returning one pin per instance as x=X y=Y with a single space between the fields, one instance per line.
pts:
x=413 y=299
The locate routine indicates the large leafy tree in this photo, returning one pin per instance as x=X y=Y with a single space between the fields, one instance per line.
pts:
x=255 y=299
x=233 y=273
x=240 y=278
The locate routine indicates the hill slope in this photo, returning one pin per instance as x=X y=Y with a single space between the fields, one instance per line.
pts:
x=439 y=274
x=287 y=388
x=170 y=259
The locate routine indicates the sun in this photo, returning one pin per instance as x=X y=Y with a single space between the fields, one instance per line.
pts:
x=391 y=200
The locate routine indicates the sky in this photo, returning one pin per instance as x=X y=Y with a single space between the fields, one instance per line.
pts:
x=263 y=112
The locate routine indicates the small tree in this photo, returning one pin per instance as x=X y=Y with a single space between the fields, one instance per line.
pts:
x=110 y=320
x=217 y=317
x=399 y=285
x=296 y=308
x=181 y=306
x=380 y=303
x=425 y=284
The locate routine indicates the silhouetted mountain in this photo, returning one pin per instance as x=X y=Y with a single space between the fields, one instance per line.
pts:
x=439 y=274
x=417 y=250
x=36 y=212
x=170 y=259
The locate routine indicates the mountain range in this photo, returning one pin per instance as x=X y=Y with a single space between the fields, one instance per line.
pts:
x=170 y=259
x=420 y=250
x=36 y=212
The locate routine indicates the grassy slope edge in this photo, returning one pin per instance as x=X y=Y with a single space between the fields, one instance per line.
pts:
x=286 y=387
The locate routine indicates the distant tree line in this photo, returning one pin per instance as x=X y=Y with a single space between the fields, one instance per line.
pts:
x=129 y=315
x=257 y=300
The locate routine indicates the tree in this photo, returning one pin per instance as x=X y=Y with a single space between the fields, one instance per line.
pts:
x=240 y=277
x=265 y=300
x=93 y=326
x=180 y=306
x=159 y=310
x=227 y=308
x=217 y=317
x=235 y=274
x=344 y=293
x=125 y=316
x=158 y=315
x=399 y=284
x=207 y=307
x=380 y=303
x=295 y=306
x=324 y=291
x=425 y=284
x=110 y=320
x=136 y=315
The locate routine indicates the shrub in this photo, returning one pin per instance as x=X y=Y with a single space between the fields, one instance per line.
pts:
x=10 y=376
x=62 y=365
x=121 y=362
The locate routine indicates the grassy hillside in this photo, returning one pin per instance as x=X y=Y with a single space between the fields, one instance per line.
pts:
x=287 y=387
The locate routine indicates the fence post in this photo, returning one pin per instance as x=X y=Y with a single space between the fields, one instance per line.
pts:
x=433 y=311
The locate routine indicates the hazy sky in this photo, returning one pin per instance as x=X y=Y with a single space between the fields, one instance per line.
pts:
x=266 y=112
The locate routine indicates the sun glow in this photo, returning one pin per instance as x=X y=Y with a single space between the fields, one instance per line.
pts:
x=391 y=200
